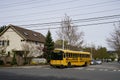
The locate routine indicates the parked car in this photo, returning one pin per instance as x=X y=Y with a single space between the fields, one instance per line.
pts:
x=38 y=61
x=98 y=62
x=94 y=62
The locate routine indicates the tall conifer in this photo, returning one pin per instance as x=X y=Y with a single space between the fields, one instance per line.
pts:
x=49 y=46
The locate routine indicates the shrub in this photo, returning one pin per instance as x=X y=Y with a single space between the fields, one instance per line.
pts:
x=14 y=62
x=1 y=62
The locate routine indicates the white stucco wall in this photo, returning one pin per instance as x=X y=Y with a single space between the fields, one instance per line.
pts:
x=14 y=40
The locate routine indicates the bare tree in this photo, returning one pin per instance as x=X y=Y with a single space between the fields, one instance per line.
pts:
x=114 y=40
x=33 y=50
x=40 y=49
x=70 y=32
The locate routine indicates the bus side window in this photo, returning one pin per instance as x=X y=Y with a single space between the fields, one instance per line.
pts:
x=82 y=56
x=73 y=55
x=64 y=55
x=70 y=55
x=88 y=56
x=77 y=55
x=67 y=55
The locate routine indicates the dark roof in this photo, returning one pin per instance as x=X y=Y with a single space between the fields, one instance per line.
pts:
x=28 y=34
x=111 y=51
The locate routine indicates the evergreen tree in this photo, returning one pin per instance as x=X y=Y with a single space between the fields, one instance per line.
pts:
x=49 y=47
x=2 y=28
x=101 y=53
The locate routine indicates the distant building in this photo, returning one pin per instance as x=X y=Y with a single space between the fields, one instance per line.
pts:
x=113 y=55
x=15 y=38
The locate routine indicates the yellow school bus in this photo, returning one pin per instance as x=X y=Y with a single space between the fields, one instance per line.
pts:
x=69 y=58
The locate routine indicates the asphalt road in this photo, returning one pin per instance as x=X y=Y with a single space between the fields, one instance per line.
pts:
x=107 y=71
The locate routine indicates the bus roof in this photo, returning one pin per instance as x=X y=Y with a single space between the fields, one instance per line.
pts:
x=71 y=51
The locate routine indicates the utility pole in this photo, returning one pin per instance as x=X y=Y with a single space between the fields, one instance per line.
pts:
x=63 y=34
x=63 y=37
x=91 y=50
x=63 y=42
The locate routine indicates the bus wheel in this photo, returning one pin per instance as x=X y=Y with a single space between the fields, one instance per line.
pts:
x=86 y=64
x=69 y=65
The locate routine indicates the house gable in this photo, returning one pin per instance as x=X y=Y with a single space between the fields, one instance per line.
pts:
x=17 y=36
x=10 y=29
x=14 y=39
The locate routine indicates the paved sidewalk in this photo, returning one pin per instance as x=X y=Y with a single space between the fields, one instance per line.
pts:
x=31 y=66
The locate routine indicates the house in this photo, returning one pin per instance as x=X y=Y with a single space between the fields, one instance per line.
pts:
x=18 y=39
x=113 y=55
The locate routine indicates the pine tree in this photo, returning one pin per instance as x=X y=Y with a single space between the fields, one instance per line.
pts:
x=49 y=47
x=2 y=28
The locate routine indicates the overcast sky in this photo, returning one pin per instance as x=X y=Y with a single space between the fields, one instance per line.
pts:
x=26 y=12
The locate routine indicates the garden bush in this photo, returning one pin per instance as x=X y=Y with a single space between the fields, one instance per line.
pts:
x=1 y=62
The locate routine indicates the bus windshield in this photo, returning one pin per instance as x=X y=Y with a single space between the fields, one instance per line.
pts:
x=57 y=55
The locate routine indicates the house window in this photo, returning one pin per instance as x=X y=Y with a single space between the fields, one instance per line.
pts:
x=0 y=43
x=4 y=43
x=36 y=42
x=7 y=42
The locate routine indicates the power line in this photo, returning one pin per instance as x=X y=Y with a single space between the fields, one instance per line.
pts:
x=78 y=20
x=98 y=18
x=22 y=3
x=14 y=3
x=55 y=10
x=70 y=15
x=80 y=25
x=57 y=3
x=64 y=3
